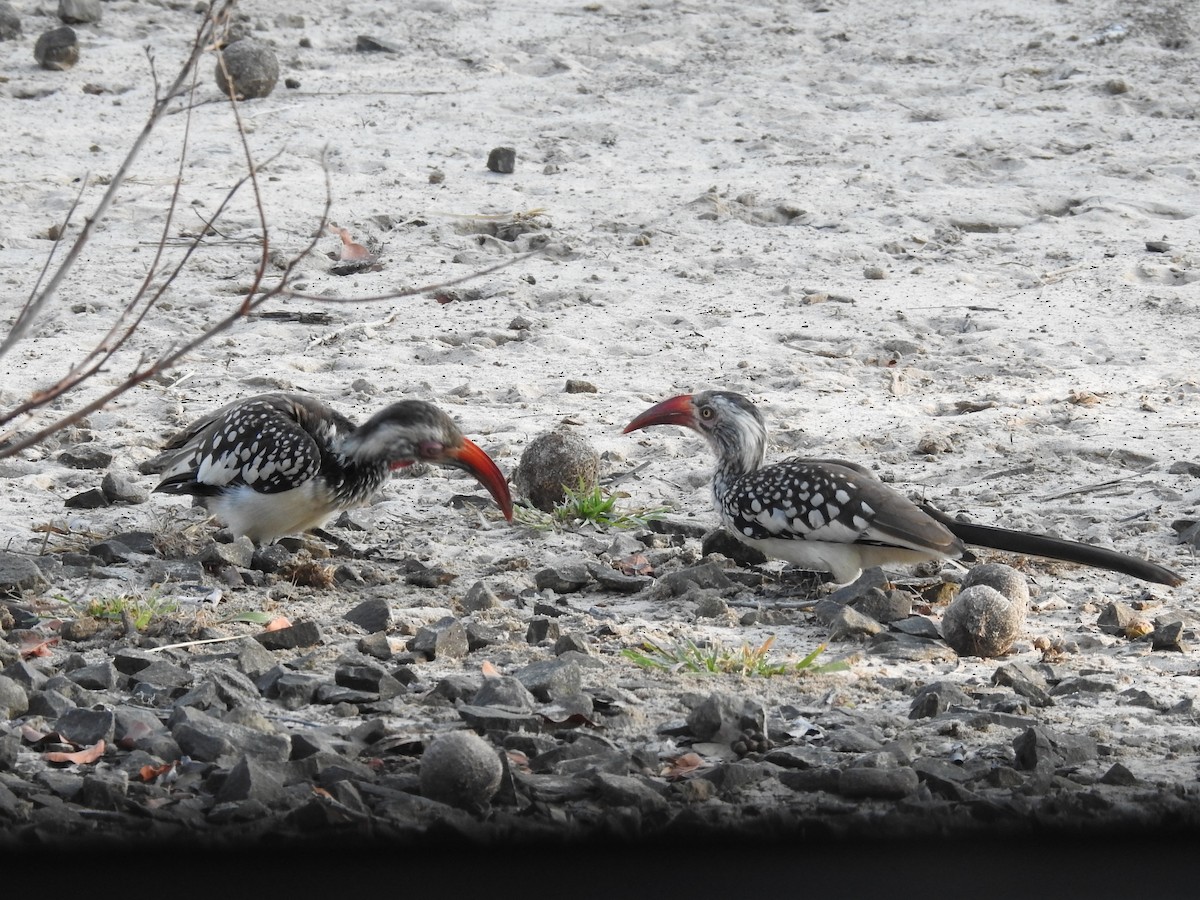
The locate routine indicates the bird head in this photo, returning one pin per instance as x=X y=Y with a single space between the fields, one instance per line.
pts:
x=729 y=422
x=414 y=431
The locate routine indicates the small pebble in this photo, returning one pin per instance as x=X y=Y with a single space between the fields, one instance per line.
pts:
x=502 y=160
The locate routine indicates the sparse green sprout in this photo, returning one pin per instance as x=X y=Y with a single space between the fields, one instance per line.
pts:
x=594 y=504
x=141 y=611
x=716 y=659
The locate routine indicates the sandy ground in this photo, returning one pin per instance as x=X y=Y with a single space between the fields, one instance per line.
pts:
x=918 y=240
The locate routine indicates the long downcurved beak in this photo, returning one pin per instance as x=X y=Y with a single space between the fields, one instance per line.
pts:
x=470 y=457
x=676 y=411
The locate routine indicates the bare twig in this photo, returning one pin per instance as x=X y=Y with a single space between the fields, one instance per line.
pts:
x=159 y=279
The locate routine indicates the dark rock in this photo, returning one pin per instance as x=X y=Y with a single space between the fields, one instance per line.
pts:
x=207 y=738
x=85 y=456
x=92 y=498
x=461 y=769
x=850 y=624
x=445 y=639
x=57 y=49
x=99 y=676
x=542 y=630
x=480 y=636
x=550 y=679
x=721 y=541
x=480 y=596
x=1116 y=618
x=1119 y=775
x=104 y=790
x=86 y=726
x=18 y=573
x=48 y=704
x=935 y=699
x=1083 y=684
x=1025 y=681
x=577 y=386
x=119 y=489
x=571 y=641
x=301 y=634
x=495 y=719
x=80 y=12
x=1168 y=636
x=564 y=579
x=252 y=779
x=10 y=22
x=376 y=645
x=365 y=43
x=502 y=160
x=369 y=678
x=295 y=690
x=889 y=783
x=1040 y=747
x=247 y=69
x=505 y=691
x=371 y=615
x=707 y=575
x=14 y=701
x=883 y=606
x=612 y=580
x=722 y=717
x=271 y=558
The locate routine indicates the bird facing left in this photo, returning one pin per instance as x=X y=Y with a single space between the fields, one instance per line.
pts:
x=281 y=463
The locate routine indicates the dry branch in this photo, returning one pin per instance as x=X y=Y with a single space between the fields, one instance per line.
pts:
x=159 y=278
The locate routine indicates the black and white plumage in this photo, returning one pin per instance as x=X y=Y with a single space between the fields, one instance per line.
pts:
x=281 y=463
x=829 y=515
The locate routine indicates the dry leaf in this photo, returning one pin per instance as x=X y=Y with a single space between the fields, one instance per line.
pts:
x=489 y=670
x=277 y=624
x=149 y=773
x=1083 y=397
x=519 y=761
x=31 y=647
x=79 y=757
x=31 y=735
x=683 y=766
x=635 y=564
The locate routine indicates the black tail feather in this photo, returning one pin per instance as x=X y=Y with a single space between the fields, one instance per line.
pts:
x=1055 y=548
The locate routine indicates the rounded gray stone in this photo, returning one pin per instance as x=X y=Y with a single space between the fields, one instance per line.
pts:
x=253 y=69
x=553 y=462
x=461 y=769
x=981 y=621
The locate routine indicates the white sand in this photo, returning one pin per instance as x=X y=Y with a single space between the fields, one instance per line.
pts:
x=718 y=182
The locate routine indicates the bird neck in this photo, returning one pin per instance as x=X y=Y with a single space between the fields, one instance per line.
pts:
x=352 y=477
x=740 y=449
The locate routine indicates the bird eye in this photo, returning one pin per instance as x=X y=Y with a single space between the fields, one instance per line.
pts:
x=430 y=449
x=706 y=412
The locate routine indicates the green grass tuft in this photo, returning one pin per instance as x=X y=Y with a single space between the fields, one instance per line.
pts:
x=716 y=659
x=590 y=505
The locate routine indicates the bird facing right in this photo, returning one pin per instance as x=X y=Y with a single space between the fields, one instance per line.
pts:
x=281 y=463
